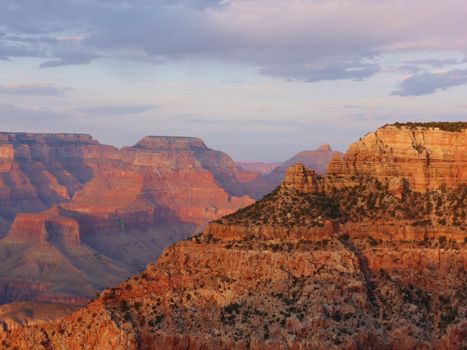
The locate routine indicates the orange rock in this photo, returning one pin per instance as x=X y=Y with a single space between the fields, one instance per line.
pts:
x=427 y=157
x=72 y=203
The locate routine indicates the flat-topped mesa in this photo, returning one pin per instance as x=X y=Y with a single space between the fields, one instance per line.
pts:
x=171 y=144
x=300 y=178
x=18 y=138
x=428 y=155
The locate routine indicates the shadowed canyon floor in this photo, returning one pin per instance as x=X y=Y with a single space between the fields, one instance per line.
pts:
x=370 y=256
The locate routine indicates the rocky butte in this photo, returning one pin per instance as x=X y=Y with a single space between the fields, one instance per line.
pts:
x=346 y=260
x=426 y=156
x=77 y=216
x=268 y=181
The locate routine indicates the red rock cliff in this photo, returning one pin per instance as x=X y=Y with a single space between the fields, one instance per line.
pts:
x=84 y=215
x=427 y=156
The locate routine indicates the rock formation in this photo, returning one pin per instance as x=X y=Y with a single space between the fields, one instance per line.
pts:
x=299 y=178
x=427 y=156
x=78 y=216
x=322 y=262
x=315 y=160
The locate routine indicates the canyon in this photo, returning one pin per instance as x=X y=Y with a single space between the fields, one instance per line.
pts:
x=77 y=216
x=369 y=255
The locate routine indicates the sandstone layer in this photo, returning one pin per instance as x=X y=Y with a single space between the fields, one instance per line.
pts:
x=427 y=157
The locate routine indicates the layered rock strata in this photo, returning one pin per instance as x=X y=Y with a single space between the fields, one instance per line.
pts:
x=77 y=216
x=313 y=265
x=427 y=157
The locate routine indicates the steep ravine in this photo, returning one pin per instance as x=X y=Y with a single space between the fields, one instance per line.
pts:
x=366 y=273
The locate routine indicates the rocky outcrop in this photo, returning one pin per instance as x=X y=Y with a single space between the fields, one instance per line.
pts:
x=299 y=178
x=315 y=160
x=427 y=157
x=229 y=232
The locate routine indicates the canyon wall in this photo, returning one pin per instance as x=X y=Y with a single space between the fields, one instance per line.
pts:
x=427 y=157
x=329 y=262
x=77 y=216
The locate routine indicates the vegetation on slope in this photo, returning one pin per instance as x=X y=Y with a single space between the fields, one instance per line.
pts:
x=288 y=207
x=367 y=199
x=446 y=126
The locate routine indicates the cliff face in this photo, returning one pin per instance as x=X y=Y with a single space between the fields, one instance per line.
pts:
x=427 y=157
x=40 y=170
x=78 y=216
x=319 y=263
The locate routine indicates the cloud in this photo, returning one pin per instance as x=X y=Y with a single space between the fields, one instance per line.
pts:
x=28 y=116
x=69 y=58
x=436 y=63
x=325 y=71
x=292 y=39
x=116 y=110
x=428 y=83
x=38 y=89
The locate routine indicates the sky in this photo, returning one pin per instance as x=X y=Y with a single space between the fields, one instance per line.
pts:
x=257 y=79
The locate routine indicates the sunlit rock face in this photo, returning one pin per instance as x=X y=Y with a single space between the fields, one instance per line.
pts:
x=427 y=157
x=322 y=262
x=77 y=216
